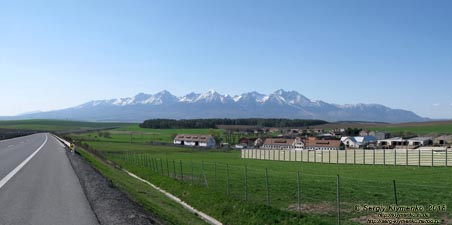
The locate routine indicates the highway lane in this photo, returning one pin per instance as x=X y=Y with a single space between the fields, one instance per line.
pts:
x=46 y=190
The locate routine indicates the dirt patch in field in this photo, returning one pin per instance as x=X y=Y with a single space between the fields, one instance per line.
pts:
x=318 y=208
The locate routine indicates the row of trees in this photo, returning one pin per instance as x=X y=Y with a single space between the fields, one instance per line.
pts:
x=212 y=123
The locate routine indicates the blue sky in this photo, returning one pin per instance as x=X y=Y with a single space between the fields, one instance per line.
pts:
x=57 y=54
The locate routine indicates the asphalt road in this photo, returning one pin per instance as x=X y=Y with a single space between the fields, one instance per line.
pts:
x=43 y=191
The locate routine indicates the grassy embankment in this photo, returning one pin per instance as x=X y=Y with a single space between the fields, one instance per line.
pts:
x=149 y=198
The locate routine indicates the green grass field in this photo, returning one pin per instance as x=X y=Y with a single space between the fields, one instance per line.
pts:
x=55 y=125
x=135 y=134
x=419 y=130
x=209 y=189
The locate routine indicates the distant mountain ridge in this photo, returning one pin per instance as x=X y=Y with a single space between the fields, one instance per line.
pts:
x=279 y=104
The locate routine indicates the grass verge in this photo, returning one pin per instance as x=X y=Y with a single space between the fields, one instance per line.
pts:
x=149 y=198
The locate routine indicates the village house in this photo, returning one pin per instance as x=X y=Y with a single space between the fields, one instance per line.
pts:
x=195 y=140
x=358 y=141
x=313 y=143
x=283 y=143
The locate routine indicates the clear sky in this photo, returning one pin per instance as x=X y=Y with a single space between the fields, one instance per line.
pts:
x=57 y=54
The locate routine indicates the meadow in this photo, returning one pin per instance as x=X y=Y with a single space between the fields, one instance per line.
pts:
x=240 y=191
x=56 y=125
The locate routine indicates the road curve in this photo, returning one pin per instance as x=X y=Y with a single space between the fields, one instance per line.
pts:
x=46 y=190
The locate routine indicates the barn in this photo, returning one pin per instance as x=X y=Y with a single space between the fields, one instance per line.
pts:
x=195 y=140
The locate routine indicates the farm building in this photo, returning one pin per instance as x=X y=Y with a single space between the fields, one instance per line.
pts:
x=314 y=144
x=392 y=142
x=379 y=135
x=195 y=140
x=283 y=143
x=443 y=140
x=420 y=141
x=358 y=141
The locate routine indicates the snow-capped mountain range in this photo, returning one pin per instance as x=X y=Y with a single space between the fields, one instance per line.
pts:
x=279 y=104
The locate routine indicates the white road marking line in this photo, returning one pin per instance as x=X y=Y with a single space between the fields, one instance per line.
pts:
x=20 y=166
x=10 y=146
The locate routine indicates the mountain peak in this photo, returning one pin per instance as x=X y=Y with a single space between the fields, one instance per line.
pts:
x=211 y=104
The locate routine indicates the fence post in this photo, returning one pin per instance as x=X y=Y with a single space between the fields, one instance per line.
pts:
x=384 y=156
x=337 y=156
x=346 y=162
x=364 y=156
x=156 y=165
x=373 y=156
x=174 y=169
x=308 y=155
x=161 y=167
x=432 y=157
x=354 y=156
x=246 y=183
x=290 y=155
x=419 y=157
x=181 y=171
x=204 y=175
x=215 y=175
x=274 y=158
x=395 y=157
x=395 y=191
x=266 y=185
x=322 y=156
x=299 y=191
x=192 y=173
x=446 y=157
x=227 y=179
x=301 y=153
x=167 y=167
x=329 y=156
x=315 y=156
x=406 y=160
x=338 y=192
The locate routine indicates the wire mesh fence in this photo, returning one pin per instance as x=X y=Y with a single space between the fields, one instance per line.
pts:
x=294 y=190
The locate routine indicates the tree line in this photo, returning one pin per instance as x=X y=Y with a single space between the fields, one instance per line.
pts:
x=212 y=123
